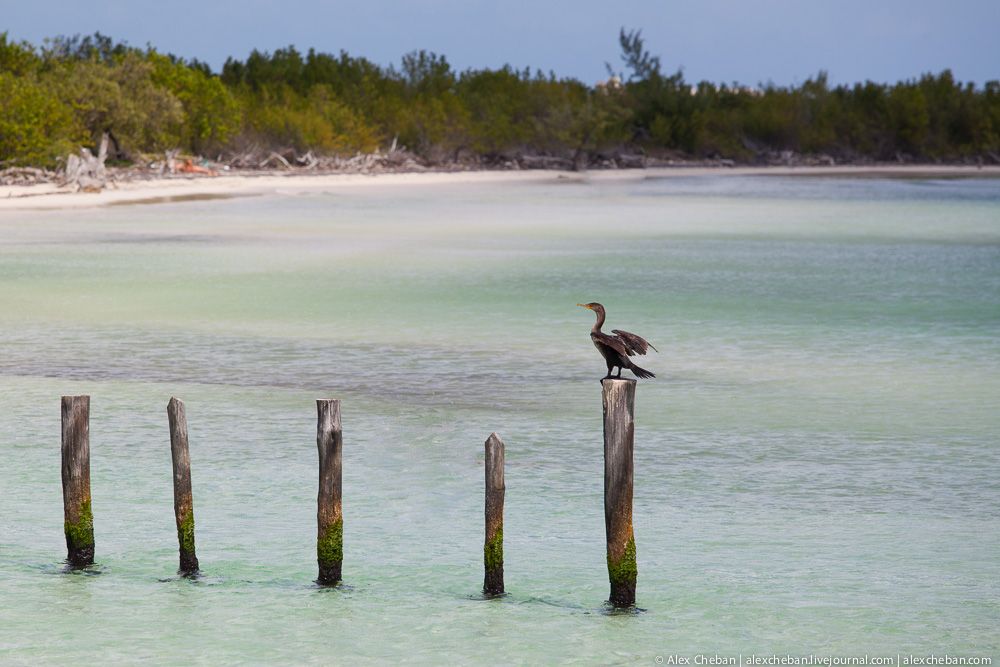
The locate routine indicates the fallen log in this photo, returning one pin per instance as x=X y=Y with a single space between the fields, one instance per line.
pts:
x=272 y=158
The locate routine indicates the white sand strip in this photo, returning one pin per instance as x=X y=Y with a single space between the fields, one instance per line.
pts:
x=47 y=196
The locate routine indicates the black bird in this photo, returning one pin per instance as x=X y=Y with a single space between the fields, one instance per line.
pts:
x=616 y=349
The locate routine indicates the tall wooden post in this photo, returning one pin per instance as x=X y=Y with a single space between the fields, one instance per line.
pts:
x=619 y=431
x=183 y=499
x=493 y=548
x=329 y=514
x=77 y=515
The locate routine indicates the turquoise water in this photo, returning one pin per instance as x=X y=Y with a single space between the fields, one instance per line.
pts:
x=817 y=462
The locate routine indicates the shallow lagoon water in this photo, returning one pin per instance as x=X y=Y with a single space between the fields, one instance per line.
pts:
x=817 y=462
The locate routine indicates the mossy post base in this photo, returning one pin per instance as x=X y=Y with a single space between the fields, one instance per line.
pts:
x=619 y=432
x=493 y=548
x=183 y=498
x=78 y=519
x=329 y=514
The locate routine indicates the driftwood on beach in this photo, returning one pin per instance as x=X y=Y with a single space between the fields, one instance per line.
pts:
x=26 y=176
x=86 y=171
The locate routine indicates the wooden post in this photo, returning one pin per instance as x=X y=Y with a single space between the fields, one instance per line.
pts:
x=493 y=549
x=183 y=500
x=329 y=514
x=619 y=403
x=78 y=517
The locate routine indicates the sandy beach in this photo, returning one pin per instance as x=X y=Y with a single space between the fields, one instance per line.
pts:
x=50 y=196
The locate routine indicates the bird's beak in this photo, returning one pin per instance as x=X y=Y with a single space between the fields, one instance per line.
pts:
x=583 y=305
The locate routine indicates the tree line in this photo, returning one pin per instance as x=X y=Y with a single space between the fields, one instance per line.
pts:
x=70 y=91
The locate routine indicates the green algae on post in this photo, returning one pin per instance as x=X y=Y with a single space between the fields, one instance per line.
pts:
x=185 y=533
x=78 y=518
x=330 y=547
x=329 y=514
x=183 y=497
x=80 y=534
x=185 y=541
x=493 y=546
x=624 y=571
x=493 y=552
x=619 y=432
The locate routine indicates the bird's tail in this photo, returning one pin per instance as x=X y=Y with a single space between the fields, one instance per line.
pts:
x=641 y=372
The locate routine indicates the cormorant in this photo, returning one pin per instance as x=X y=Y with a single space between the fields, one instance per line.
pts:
x=616 y=349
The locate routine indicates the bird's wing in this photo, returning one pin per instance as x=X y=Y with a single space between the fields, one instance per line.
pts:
x=633 y=343
x=615 y=343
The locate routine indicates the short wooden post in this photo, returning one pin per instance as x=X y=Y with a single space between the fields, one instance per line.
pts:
x=183 y=500
x=619 y=431
x=493 y=549
x=329 y=514
x=77 y=515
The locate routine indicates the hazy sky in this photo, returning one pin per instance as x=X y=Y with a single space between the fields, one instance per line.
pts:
x=748 y=41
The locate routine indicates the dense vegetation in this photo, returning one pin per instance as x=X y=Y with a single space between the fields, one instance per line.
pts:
x=71 y=91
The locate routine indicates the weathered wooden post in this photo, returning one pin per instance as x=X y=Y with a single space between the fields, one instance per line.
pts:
x=493 y=548
x=183 y=500
x=78 y=517
x=329 y=514
x=619 y=431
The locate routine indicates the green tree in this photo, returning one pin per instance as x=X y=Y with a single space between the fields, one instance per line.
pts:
x=908 y=118
x=122 y=99
x=35 y=129
x=17 y=58
x=211 y=113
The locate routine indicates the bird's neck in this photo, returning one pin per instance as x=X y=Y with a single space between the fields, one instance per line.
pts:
x=599 y=323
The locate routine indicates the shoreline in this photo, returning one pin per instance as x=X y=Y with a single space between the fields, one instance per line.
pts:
x=49 y=196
